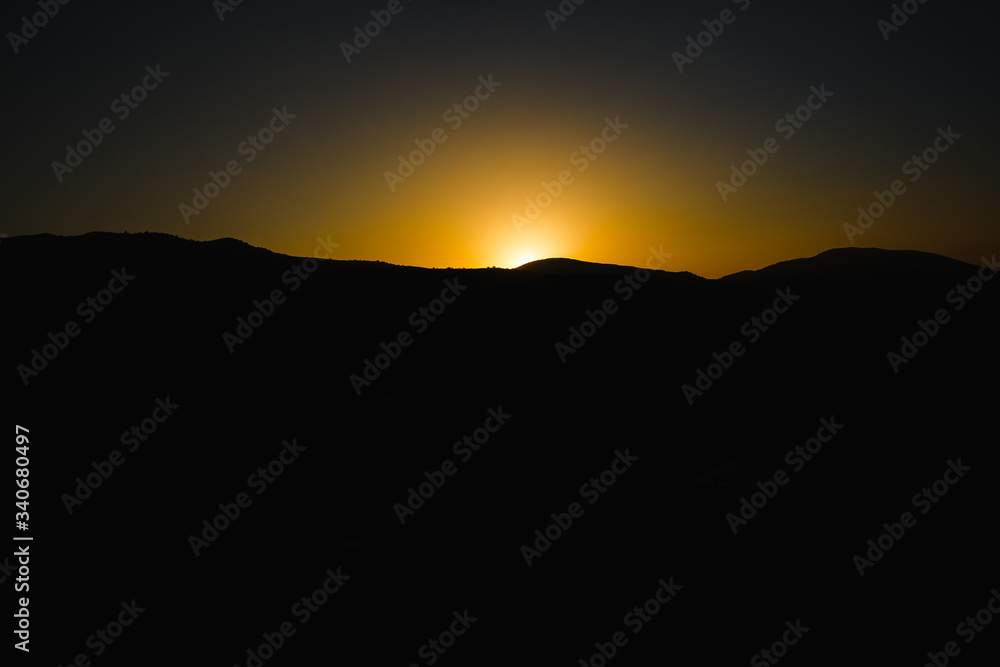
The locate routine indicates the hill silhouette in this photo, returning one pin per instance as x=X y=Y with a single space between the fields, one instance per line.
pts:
x=504 y=340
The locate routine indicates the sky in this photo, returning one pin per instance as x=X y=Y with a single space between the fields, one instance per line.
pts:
x=594 y=131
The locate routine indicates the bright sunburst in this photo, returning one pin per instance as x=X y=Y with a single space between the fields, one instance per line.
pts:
x=531 y=245
x=523 y=257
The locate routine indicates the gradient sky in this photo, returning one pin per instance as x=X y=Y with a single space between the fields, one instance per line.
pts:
x=655 y=185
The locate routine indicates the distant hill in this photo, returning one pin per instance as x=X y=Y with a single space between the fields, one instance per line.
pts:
x=563 y=266
x=853 y=261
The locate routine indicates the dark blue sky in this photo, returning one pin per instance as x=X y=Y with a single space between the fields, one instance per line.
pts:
x=660 y=185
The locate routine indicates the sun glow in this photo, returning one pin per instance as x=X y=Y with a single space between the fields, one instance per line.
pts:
x=520 y=251
x=511 y=249
x=521 y=257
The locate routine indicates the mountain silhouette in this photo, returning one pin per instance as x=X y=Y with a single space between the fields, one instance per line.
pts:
x=582 y=384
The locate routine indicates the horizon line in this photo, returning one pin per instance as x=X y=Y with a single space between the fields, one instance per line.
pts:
x=477 y=268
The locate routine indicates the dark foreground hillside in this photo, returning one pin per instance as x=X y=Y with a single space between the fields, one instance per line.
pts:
x=494 y=357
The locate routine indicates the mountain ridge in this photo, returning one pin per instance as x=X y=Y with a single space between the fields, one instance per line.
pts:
x=833 y=258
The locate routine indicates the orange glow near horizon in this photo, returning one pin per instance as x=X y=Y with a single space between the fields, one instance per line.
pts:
x=640 y=146
x=650 y=188
x=458 y=208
